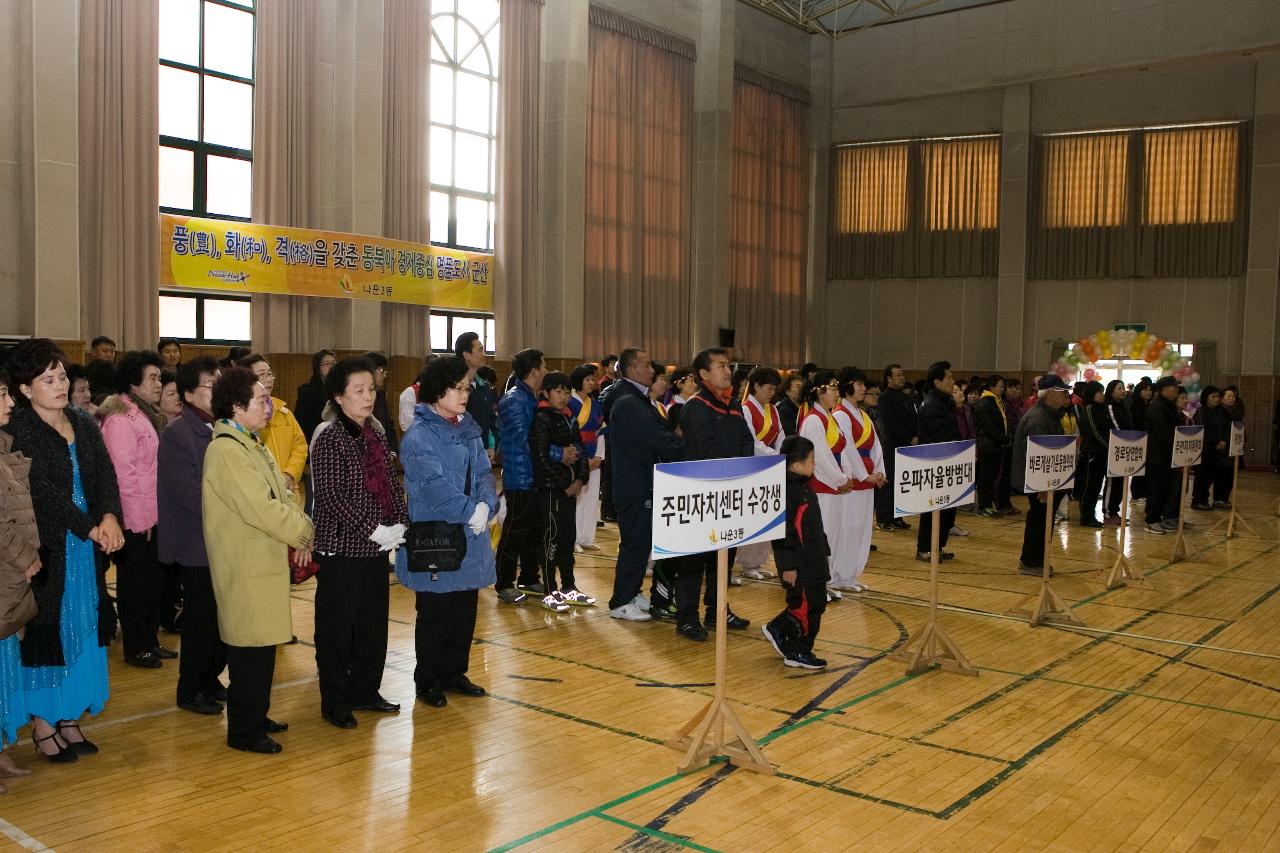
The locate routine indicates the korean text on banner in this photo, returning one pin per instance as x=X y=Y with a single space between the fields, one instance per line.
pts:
x=1051 y=463
x=245 y=257
x=933 y=476
x=1236 y=446
x=1126 y=453
x=1188 y=444
x=717 y=503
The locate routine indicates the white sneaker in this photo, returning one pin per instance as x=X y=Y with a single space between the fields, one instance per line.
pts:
x=631 y=612
x=959 y=531
x=555 y=603
x=756 y=574
x=641 y=602
x=833 y=594
x=581 y=599
x=734 y=580
x=590 y=546
x=577 y=549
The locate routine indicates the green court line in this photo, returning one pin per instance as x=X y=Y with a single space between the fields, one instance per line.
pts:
x=822 y=715
x=574 y=719
x=656 y=833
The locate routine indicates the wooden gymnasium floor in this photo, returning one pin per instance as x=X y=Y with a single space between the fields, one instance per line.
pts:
x=1141 y=739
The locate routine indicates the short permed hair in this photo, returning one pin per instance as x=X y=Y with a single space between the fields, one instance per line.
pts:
x=763 y=376
x=133 y=366
x=439 y=376
x=335 y=384
x=580 y=375
x=233 y=388
x=29 y=359
x=189 y=373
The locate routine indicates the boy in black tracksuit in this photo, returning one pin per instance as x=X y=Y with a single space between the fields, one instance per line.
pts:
x=801 y=558
x=558 y=476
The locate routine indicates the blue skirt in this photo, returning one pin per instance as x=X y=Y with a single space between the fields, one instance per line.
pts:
x=13 y=705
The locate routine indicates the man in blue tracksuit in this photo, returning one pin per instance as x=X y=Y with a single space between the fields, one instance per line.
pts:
x=521 y=540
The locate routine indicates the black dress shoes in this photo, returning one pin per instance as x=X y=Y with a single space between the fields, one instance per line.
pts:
x=274 y=727
x=144 y=660
x=259 y=743
x=692 y=631
x=164 y=654
x=216 y=692
x=201 y=704
x=433 y=696
x=378 y=704
x=462 y=684
x=341 y=719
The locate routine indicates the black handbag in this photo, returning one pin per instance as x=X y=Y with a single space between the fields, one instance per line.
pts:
x=437 y=546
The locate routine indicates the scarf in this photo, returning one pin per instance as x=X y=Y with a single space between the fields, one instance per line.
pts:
x=159 y=420
x=373 y=460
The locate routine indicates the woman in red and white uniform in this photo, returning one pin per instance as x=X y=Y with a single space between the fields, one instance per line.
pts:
x=831 y=480
x=762 y=417
x=866 y=467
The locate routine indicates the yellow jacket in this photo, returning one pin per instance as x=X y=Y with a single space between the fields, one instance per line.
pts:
x=250 y=522
x=284 y=438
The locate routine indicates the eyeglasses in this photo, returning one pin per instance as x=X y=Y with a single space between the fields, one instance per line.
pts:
x=462 y=389
x=267 y=375
x=328 y=363
x=209 y=386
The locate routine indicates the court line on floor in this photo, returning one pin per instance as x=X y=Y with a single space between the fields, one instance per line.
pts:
x=18 y=836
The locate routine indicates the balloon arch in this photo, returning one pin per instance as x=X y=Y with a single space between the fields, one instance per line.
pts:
x=1080 y=358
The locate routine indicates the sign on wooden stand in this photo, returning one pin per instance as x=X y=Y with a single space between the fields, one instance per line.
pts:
x=1126 y=458
x=1051 y=466
x=1188 y=446
x=1235 y=449
x=715 y=505
x=930 y=478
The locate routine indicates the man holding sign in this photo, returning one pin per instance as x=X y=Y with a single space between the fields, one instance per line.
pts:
x=1045 y=418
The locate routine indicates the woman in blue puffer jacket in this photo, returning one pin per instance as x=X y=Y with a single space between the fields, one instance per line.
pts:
x=447 y=477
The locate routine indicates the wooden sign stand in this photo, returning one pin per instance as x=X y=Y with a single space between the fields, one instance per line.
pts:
x=1122 y=570
x=933 y=646
x=703 y=737
x=1049 y=606
x=1183 y=549
x=1234 y=517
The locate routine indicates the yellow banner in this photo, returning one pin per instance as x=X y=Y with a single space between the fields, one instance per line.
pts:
x=216 y=254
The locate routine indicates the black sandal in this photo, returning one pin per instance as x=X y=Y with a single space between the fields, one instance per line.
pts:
x=84 y=746
x=64 y=755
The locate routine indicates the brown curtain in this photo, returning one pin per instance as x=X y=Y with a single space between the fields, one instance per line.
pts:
x=518 y=237
x=1205 y=361
x=1145 y=203
x=916 y=208
x=638 y=253
x=768 y=224
x=119 y=171
x=283 y=107
x=405 y=108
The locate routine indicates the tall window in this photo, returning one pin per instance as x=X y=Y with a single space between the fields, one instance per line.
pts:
x=464 y=116
x=446 y=326
x=1086 y=180
x=871 y=188
x=206 y=143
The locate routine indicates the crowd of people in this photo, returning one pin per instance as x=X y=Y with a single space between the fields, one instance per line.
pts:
x=208 y=496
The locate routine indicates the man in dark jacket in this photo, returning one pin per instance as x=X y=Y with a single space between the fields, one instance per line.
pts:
x=180 y=465
x=937 y=423
x=1044 y=418
x=637 y=439
x=1161 y=417
x=1095 y=435
x=713 y=428
x=898 y=413
x=991 y=425
x=521 y=540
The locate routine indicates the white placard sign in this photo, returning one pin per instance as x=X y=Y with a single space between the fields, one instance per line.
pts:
x=1126 y=453
x=1188 y=444
x=1236 y=446
x=1051 y=463
x=717 y=503
x=933 y=476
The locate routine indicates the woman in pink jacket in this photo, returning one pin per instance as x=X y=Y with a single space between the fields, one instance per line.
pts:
x=131 y=425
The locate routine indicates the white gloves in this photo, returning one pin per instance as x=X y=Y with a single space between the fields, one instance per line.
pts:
x=388 y=537
x=479 y=518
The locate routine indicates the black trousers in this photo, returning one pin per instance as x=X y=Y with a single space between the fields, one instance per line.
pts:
x=800 y=620
x=351 y=629
x=989 y=468
x=884 y=494
x=1004 y=486
x=924 y=539
x=249 y=694
x=608 y=510
x=1095 y=473
x=1215 y=477
x=204 y=655
x=662 y=587
x=694 y=575
x=1164 y=492
x=1113 y=495
x=521 y=541
x=1033 y=529
x=171 y=597
x=635 y=530
x=559 y=522
x=442 y=636
x=138 y=591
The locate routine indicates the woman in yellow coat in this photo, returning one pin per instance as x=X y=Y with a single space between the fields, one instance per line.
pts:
x=282 y=435
x=250 y=522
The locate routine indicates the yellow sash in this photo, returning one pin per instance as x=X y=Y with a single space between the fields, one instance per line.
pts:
x=584 y=414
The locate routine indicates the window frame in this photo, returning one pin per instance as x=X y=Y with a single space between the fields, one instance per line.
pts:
x=201 y=297
x=450 y=337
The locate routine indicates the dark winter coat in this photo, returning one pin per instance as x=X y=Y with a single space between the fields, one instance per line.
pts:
x=551 y=431
x=310 y=408
x=899 y=415
x=1094 y=422
x=1161 y=419
x=937 y=418
x=989 y=423
x=180 y=462
x=1040 y=419
x=57 y=515
x=804 y=549
x=515 y=415
x=714 y=429
x=637 y=439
